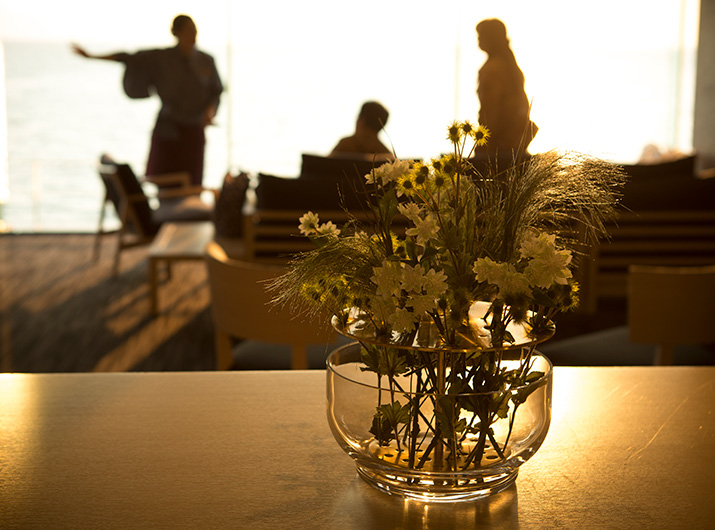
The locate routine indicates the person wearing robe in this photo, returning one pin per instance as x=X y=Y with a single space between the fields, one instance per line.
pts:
x=189 y=87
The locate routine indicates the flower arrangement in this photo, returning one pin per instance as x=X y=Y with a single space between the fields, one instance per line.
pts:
x=451 y=271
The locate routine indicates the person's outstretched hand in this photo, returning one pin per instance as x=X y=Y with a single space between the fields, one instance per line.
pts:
x=76 y=48
x=209 y=115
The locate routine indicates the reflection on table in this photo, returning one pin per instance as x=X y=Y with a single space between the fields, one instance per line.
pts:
x=627 y=448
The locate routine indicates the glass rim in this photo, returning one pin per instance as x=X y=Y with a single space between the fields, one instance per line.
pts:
x=331 y=367
x=353 y=322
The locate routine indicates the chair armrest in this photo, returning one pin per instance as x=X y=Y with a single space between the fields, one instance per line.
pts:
x=170 y=193
x=181 y=178
x=136 y=197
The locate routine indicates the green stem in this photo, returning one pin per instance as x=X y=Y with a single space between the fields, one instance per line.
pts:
x=441 y=388
x=511 y=426
x=478 y=451
x=496 y=444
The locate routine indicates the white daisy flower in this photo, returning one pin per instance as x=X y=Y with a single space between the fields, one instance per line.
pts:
x=328 y=229
x=308 y=223
x=413 y=278
x=549 y=268
x=425 y=230
x=402 y=320
x=388 y=278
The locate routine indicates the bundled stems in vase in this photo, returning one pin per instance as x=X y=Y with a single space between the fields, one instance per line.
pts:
x=452 y=399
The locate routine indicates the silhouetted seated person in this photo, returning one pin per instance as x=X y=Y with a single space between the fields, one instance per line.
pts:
x=504 y=107
x=364 y=143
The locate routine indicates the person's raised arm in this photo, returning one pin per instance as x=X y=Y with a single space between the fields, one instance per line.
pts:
x=76 y=48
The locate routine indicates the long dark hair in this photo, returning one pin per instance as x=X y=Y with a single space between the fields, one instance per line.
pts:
x=492 y=34
x=494 y=41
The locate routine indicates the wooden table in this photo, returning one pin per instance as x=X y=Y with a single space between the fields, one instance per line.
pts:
x=628 y=448
x=174 y=242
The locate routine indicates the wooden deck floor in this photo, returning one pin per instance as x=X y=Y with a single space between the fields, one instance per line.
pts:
x=62 y=311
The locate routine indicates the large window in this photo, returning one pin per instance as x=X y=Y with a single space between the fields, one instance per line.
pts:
x=605 y=78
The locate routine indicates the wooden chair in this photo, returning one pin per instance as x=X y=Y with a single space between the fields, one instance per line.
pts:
x=140 y=221
x=670 y=306
x=241 y=308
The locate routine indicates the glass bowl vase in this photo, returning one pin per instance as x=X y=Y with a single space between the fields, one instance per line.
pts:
x=437 y=445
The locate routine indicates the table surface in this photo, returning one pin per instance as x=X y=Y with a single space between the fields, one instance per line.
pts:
x=627 y=448
x=182 y=240
x=176 y=241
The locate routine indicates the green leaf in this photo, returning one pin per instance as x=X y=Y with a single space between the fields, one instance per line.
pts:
x=384 y=361
x=521 y=395
x=395 y=362
x=533 y=376
x=502 y=402
x=395 y=413
x=387 y=419
x=447 y=414
x=388 y=207
x=371 y=360
x=381 y=430
x=429 y=252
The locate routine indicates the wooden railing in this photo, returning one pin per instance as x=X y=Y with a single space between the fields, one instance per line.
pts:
x=674 y=238
x=677 y=238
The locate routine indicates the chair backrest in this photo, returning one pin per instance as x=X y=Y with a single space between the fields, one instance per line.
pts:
x=670 y=306
x=107 y=170
x=125 y=192
x=241 y=305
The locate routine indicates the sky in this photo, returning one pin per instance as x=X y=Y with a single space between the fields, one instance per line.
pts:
x=131 y=21
x=607 y=23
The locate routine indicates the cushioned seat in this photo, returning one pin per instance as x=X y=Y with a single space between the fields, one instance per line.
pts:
x=140 y=222
x=191 y=208
x=612 y=347
x=256 y=355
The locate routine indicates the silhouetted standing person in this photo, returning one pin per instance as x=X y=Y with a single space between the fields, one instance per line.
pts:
x=504 y=107
x=188 y=84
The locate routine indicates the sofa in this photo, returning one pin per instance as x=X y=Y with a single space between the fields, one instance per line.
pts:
x=272 y=205
x=666 y=217
x=323 y=183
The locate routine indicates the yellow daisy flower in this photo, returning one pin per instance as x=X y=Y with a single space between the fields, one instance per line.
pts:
x=449 y=164
x=405 y=185
x=481 y=135
x=420 y=174
x=440 y=181
x=454 y=132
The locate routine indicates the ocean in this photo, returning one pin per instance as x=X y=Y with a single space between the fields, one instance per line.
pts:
x=63 y=112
